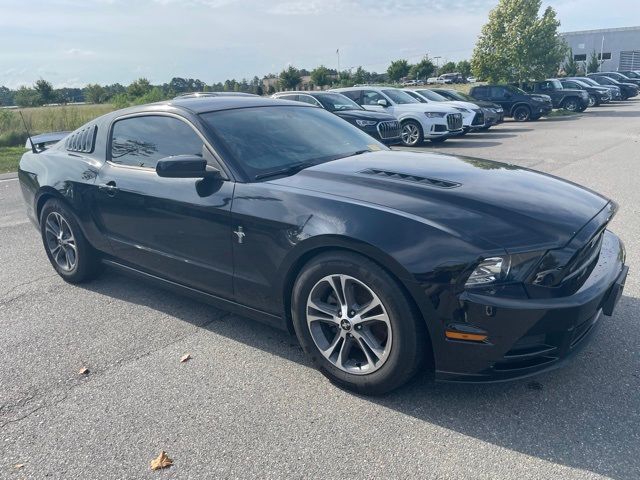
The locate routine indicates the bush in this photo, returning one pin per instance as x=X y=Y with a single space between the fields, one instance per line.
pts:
x=13 y=139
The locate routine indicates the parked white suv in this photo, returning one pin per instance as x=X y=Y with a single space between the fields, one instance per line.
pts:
x=418 y=121
x=472 y=115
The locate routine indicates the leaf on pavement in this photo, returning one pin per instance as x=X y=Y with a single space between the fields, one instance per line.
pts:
x=161 y=461
x=185 y=358
x=18 y=466
x=83 y=371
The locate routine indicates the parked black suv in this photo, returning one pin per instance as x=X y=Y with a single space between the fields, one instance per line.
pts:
x=627 y=90
x=597 y=95
x=570 y=99
x=381 y=126
x=493 y=113
x=516 y=103
x=622 y=78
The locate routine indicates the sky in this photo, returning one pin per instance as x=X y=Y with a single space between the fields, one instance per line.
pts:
x=75 y=42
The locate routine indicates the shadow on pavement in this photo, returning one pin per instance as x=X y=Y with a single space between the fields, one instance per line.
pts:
x=584 y=415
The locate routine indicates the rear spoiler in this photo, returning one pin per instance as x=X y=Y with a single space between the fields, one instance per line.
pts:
x=45 y=140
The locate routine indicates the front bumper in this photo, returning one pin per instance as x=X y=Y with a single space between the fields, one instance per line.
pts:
x=528 y=336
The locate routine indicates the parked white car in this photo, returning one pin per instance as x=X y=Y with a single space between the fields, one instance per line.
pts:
x=472 y=115
x=432 y=80
x=418 y=121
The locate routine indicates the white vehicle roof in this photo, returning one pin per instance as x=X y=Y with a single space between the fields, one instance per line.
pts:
x=417 y=107
x=454 y=103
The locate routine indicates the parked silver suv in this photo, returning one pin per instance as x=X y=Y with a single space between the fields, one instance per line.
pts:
x=419 y=121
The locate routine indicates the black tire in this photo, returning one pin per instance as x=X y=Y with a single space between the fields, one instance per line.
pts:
x=409 y=340
x=438 y=139
x=86 y=264
x=412 y=134
x=485 y=129
x=522 y=113
x=571 y=104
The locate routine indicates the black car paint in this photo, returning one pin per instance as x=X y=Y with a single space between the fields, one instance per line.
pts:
x=352 y=116
x=601 y=95
x=628 y=90
x=180 y=233
x=494 y=118
x=558 y=95
x=513 y=100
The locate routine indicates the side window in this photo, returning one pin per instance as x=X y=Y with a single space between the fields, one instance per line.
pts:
x=497 y=92
x=353 y=95
x=371 y=97
x=480 y=92
x=142 y=141
x=545 y=86
x=308 y=99
x=571 y=85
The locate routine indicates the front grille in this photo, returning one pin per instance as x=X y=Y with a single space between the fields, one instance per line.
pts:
x=478 y=119
x=389 y=129
x=454 y=121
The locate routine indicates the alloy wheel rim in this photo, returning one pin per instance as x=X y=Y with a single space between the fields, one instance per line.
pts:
x=521 y=114
x=410 y=134
x=61 y=242
x=592 y=101
x=349 y=324
x=572 y=106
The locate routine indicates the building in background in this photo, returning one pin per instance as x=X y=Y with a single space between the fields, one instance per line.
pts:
x=616 y=48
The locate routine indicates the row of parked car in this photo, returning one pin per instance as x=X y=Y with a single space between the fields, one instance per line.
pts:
x=412 y=115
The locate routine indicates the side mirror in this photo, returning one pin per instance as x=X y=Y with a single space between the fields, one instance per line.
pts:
x=383 y=103
x=185 y=166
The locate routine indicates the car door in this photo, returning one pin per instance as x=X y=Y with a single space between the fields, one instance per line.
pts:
x=502 y=97
x=176 y=228
x=370 y=99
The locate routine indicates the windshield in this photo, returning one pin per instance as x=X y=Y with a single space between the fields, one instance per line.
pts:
x=416 y=96
x=556 y=84
x=589 y=81
x=431 y=95
x=263 y=140
x=399 y=97
x=334 y=102
x=633 y=74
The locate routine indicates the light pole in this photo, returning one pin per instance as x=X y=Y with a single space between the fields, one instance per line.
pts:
x=437 y=59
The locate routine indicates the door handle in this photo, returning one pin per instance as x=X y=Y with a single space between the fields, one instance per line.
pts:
x=109 y=188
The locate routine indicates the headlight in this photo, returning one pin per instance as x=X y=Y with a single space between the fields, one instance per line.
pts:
x=503 y=269
x=366 y=123
x=537 y=99
x=435 y=114
x=499 y=110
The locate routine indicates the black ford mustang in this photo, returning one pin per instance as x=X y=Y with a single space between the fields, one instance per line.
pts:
x=381 y=262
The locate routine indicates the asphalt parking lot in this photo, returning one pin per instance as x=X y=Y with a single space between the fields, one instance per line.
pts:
x=248 y=405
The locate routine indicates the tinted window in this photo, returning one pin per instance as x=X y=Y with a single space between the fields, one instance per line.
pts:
x=142 y=141
x=263 y=140
x=335 y=102
x=371 y=97
x=353 y=95
x=308 y=99
x=288 y=97
x=399 y=97
x=416 y=96
x=431 y=95
x=498 y=92
x=481 y=92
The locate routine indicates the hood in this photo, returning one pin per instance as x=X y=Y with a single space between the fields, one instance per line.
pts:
x=546 y=98
x=364 y=115
x=573 y=90
x=486 y=104
x=488 y=204
x=458 y=103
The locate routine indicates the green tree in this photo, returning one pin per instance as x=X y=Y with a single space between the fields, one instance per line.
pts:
x=45 y=91
x=320 y=76
x=571 y=67
x=290 y=78
x=594 y=63
x=464 y=67
x=27 y=97
x=120 y=100
x=361 y=76
x=449 y=67
x=517 y=45
x=398 y=69
x=94 y=93
x=139 y=88
x=423 y=69
x=6 y=96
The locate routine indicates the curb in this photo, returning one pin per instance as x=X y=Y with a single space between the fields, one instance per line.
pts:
x=8 y=176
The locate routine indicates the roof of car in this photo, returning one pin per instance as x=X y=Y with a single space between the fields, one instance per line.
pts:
x=303 y=92
x=211 y=104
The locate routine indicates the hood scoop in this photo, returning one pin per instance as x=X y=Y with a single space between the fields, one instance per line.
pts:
x=405 y=177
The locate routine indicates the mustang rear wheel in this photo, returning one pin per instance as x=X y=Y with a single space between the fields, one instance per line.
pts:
x=67 y=248
x=356 y=323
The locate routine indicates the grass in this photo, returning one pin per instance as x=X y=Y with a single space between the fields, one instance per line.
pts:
x=562 y=113
x=45 y=119
x=9 y=158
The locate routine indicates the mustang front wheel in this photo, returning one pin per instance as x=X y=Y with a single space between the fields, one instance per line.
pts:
x=356 y=323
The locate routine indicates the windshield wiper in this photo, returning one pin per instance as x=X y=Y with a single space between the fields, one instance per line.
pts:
x=286 y=171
